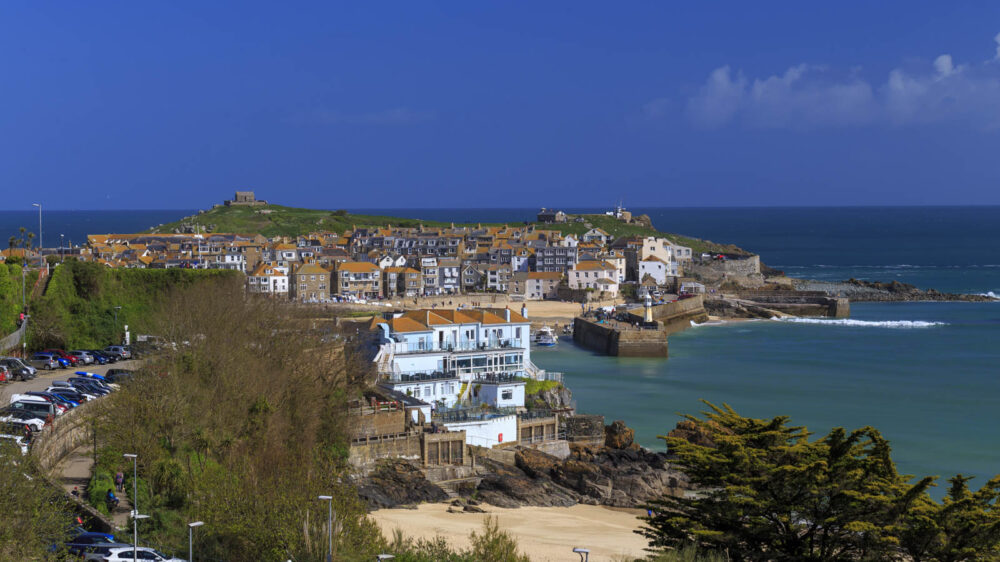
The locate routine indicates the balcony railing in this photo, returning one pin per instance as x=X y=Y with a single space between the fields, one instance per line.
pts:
x=424 y=346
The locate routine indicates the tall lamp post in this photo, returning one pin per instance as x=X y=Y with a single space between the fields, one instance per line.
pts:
x=191 y=527
x=329 y=499
x=135 y=504
x=39 y=205
x=117 y=308
x=62 y=252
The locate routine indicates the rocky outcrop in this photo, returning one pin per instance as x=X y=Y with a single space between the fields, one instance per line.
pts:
x=396 y=482
x=618 y=435
x=557 y=398
x=876 y=291
x=585 y=429
x=626 y=476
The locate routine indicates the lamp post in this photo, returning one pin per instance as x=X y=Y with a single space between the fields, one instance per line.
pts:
x=584 y=554
x=191 y=527
x=135 y=504
x=135 y=532
x=62 y=253
x=329 y=499
x=117 y=308
x=39 y=205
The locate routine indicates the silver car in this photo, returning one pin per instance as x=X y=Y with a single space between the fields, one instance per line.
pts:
x=44 y=361
x=84 y=356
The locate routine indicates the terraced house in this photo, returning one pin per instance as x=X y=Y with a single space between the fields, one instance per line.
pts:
x=311 y=283
x=359 y=279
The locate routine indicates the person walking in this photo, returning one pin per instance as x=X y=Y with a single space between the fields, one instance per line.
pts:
x=120 y=482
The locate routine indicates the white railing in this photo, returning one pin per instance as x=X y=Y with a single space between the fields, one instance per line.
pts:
x=446 y=346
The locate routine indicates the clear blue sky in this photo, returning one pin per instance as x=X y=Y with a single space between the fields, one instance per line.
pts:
x=123 y=105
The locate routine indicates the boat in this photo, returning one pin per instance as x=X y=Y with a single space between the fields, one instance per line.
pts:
x=545 y=337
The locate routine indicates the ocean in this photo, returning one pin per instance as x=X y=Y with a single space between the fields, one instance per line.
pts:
x=925 y=374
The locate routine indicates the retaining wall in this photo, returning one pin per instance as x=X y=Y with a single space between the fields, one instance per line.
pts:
x=622 y=342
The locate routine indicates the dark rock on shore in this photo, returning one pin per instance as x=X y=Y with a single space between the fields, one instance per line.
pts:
x=618 y=435
x=618 y=477
x=556 y=398
x=396 y=483
x=877 y=291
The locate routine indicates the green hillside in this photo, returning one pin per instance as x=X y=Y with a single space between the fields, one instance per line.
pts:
x=278 y=220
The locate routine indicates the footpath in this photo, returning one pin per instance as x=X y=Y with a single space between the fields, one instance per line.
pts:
x=74 y=472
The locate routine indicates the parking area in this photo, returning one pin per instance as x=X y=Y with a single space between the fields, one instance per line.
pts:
x=44 y=378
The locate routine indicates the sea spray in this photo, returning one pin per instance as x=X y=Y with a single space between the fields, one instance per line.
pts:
x=905 y=324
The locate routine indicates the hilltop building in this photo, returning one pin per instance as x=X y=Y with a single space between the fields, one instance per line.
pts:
x=244 y=198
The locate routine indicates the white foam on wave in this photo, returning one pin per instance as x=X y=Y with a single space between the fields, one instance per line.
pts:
x=990 y=294
x=905 y=324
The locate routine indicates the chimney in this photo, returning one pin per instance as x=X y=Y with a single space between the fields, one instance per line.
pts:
x=506 y=314
x=524 y=310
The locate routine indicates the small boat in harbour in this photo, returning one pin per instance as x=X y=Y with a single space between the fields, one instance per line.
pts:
x=545 y=337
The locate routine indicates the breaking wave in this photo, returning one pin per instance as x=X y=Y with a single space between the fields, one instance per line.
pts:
x=906 y=324
x=990 y=294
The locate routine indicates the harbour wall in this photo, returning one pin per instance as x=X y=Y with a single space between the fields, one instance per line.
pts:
x=621 y=340
x=675 y=316
x=800 y=303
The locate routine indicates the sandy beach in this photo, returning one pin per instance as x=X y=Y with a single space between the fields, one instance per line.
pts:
x=544 y=533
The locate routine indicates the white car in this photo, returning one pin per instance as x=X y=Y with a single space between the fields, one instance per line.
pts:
x=36 y=424
x=18 y=442
x=142 y=553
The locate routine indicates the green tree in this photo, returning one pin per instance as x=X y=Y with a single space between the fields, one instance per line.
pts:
x=964 y=526
x=769 y=493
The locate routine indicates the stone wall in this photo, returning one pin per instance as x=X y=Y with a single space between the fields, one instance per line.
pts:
x=675 y=316
x=445 y=448
x=61 y=437
x=624 y=342
x=378 y=423
x=363 y=454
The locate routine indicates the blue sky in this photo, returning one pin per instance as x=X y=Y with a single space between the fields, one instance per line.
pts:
x=123 y=105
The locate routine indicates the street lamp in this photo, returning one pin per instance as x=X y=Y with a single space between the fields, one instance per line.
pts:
x=117 y=308
x=135 y=532
x=329 y=556
x=135 y=504
x=62 y=253
x=39 y=205
x=584 y=554
x=191 y=527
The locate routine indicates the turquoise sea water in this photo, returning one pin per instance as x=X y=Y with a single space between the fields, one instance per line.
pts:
x=934 y=391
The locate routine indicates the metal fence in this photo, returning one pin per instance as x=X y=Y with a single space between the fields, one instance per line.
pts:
x=14 y=340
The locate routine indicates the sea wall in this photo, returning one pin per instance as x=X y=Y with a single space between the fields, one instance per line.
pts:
x=620 y=340
x=800 y=303
x=675 y=316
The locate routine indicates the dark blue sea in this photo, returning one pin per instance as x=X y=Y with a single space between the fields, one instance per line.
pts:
x=926 y=374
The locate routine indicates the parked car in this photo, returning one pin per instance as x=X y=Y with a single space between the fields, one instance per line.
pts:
x=83 y=540
x=17 y=440
x=22 y=417
x=145 y=553
x=55 y=398
x=74 y=361
x=68 y=394
x=103 y=358
x=89 y=387
x=35 y=404
x=45 y=361
x=60 y=386
x=19 y=369
x=99 y=552
x=119 y=376
x=120 y=350
x=85 y=357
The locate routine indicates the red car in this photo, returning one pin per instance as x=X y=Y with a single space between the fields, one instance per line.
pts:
x=73 y=360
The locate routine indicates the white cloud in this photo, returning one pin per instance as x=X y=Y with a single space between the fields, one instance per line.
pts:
x=806 y=96
x=996 y=39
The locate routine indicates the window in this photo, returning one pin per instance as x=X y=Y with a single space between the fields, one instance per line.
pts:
x=507 y=394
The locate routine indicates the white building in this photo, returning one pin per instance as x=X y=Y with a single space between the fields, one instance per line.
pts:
x=657 y=269
x=269 y=280
x=585 y=274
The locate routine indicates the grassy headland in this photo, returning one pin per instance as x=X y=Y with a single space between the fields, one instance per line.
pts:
x=278 y=220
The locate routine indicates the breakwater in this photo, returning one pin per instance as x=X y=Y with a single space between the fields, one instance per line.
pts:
x=620 y=339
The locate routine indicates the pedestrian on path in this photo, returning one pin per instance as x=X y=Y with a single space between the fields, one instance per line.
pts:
x=120 y=482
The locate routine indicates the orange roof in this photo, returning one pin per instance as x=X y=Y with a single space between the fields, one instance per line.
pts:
x=357 y=267
x=593 y=266
x=544 y=275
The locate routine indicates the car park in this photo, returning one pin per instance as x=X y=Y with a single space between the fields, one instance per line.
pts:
x=45 y=361
x=19 y=369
